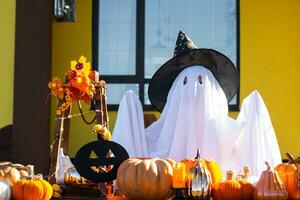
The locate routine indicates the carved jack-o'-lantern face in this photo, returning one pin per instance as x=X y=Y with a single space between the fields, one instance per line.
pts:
x=99 y=161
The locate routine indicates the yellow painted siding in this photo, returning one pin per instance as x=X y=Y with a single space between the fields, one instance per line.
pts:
x=7 y=48
x=270 y=54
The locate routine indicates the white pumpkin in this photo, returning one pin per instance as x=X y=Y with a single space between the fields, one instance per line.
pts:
x=5 y=190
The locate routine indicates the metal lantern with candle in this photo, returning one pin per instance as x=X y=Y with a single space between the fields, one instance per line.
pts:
x=199 y=182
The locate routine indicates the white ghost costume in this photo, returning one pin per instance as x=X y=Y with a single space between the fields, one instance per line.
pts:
x=195 y=116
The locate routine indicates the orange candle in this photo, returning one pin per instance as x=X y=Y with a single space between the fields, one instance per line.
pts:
x=179 y=175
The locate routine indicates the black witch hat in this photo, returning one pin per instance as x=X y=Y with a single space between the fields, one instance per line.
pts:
x=187 y=54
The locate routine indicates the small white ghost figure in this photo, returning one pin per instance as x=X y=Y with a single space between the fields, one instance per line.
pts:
x=195 y=116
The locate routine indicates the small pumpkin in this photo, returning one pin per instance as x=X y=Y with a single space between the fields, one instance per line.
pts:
x=228 y=189
x=290 y=176
x=247 y=189
x=32 y=187
x=212 y=166
x=270 y=186
x=147 y=179
x=232 y=189
x=5 y=190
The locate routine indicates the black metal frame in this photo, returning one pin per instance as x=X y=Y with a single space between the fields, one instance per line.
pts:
x=138 y=78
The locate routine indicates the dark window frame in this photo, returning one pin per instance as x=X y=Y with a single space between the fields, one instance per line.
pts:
x=139 y=78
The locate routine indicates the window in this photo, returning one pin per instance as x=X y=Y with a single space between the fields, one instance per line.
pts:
x=133 y=38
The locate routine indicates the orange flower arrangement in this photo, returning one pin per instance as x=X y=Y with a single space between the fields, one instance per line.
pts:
x=78 y=85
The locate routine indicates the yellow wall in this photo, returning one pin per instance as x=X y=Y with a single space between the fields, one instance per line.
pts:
x=270 y=52
x=7 y=42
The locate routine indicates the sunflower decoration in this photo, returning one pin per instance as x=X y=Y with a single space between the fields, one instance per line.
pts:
x=78 y=85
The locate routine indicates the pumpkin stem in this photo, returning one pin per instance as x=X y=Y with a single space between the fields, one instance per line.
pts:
x=229 y=175
x=38 y=177
x=291 y=158
x=268 y=165
x=246 y=170
x=30 y=170
x=198 y=154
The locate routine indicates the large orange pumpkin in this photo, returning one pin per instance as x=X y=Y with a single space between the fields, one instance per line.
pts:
x=290 y=176
x=270 y=186
x=147 y=179
x=212 y=166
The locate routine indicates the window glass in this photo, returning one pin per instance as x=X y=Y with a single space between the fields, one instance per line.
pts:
x=115 y=91
x=209 y=23
x=117 y=37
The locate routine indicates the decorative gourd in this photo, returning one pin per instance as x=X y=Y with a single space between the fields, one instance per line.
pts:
x=32 y=187
x=147 y=179
x=11 y=172
x=56 y=191
x=228 y=189
x=199 y=182
x=270 y=186
x=5 y=190
x=246 y=174
x=212 y=166
x=290 y=176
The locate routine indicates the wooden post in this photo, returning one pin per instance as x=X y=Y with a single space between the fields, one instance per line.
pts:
x=32 y=71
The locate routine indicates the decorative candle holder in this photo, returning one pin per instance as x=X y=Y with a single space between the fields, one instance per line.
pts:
x=179 y=181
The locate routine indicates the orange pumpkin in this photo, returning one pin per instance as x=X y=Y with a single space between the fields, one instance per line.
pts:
x=32 y=188
x=212 y=166
x=270 y=186
x=290 y=176
x=247 y=189
x=228 y=189
x=146 y=179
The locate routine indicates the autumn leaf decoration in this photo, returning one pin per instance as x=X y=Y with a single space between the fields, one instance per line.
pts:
x=78 y=85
